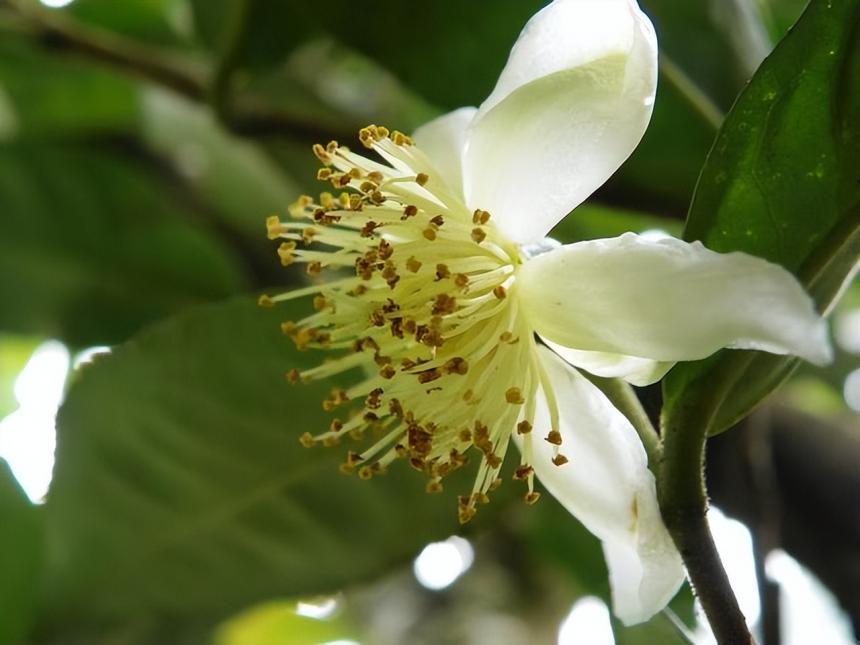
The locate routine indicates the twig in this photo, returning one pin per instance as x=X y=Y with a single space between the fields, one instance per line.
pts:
x=684 y=503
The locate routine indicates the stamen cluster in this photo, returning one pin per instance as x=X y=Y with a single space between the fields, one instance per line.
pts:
x=422 y=298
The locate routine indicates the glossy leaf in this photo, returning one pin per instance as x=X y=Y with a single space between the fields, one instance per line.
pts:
x=783 y=182
x=181 y=491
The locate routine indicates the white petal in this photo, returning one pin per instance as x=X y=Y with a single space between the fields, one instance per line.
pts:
x=443 y=140
x=570 y=106
x=608 y=487
x=668 y=300
x=633 y=369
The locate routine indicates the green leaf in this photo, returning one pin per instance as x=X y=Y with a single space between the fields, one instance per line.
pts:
x=270 y=28
x=21 y=551
x=181 y=491
x=593 y=221
x=15 y=351
x=782 y=182
x=98 y=245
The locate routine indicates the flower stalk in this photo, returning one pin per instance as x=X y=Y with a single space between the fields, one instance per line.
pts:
x=683 y=499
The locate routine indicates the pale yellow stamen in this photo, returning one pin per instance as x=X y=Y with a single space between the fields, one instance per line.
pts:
x=429 y=313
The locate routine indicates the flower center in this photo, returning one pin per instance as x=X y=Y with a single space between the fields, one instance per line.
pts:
x=422 y=297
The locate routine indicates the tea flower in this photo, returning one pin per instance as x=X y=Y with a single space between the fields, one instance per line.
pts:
x=466 y=321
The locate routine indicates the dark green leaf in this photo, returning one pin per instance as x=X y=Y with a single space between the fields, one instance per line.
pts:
x=93 y=245
x=782 y=182
x=21 y=550
x=270 y=28
x=181 y=491
x=592 y=221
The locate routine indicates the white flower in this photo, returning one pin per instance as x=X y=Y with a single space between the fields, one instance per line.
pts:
x=445 y=306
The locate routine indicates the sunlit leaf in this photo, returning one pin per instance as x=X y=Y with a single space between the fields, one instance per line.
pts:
x=181 y=491
x=278 y=623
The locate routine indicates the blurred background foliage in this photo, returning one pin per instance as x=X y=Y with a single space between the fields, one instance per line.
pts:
x=142 y=145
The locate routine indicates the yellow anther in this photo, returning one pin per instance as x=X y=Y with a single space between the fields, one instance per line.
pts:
x=554 y=437
x=478 y=235
x=321 y=154
x=457 y=365
x=480 y=217
x=513 y=395
x=465 y=514
x=523 y=472
x=265 y=301
x=422 y=178
x=401 y=139
x=285 y=253
x=273 y=227
x=429 y=234
x=500 y=292
x=320 y=302
x=444 y=304
x=324 y=174
x=314 y=268
x=413 y=265
x=433 y=486
x=428 y=376
x=307 y=440
x=293 y=375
